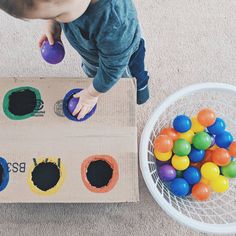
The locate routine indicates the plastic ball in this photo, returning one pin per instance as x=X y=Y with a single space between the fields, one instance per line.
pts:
x=229 y=170
x=162 y=156
x=196 y=155
x=214 y=147
x=72 y=104
x=167 y=173
x=192 y=175
x=232 y=149
x=171 y=132
x=163 y=143
x=179 y=187
x=188 y=136
x=220 y=184
x=182 y=147
x=210 y=171
x=201 y=191
x=180 y=163
x=182 y=123
x=206 y=117
x=196 y=126
x=208 y=156
x=202 y=141
x=218 y=127
x=221 y=157
x=224 y=139
x=213 y=142
x=53 y=54
x=196 y=164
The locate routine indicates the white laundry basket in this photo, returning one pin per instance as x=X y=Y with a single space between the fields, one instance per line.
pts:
x=218 y=214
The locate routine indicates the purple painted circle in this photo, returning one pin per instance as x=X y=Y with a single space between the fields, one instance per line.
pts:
x=53 y=54
x=167 y=172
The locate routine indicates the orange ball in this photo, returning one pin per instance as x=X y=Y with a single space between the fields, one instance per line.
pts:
x=163 y=143
x=232 y=149
x=201 y=191
x=206 y=117
x=171 y=132
x=208 y=156
x=196 y=164
x=221 y=157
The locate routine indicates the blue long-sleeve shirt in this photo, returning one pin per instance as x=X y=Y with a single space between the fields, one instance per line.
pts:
x=106 y=36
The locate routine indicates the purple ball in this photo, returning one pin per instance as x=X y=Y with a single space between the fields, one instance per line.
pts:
x=72 y=104
x=53 y=54
x=213 y=142
x=167 y=173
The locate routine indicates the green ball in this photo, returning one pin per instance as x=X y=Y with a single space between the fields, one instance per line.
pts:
x=202 y=141
x=181 y=147
x=229 y=170
x=179 y=173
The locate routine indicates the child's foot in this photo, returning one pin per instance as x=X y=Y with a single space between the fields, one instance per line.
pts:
x=142 y=95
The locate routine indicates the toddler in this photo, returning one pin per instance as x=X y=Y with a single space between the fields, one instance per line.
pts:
x=106 y=34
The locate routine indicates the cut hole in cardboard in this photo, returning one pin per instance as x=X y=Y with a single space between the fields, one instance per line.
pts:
x=46 y=176
x=21 y=103
x=4 y=174
x=100 y=173
x=66 y=109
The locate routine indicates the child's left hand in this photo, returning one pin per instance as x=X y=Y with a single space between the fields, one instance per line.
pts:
x=88 y=98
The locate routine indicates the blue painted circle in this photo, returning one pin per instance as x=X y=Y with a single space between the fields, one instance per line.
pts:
x=66 y=110
x=5 y=177
x=182 y=123
x=196 y=155
x=180 y=187
x=218 y=127
x=192 y=175
x=224 y=139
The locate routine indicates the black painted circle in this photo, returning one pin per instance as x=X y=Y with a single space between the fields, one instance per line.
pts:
x=45 y=175
x=22 y=102
x=99 y=173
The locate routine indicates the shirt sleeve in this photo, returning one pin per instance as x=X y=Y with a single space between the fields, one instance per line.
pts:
x=116 y=41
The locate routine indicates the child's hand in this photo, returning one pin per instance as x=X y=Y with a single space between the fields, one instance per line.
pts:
x=52 y=32
x=88 y=98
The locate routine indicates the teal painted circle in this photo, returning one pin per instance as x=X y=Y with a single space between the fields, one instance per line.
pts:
x=6 y=103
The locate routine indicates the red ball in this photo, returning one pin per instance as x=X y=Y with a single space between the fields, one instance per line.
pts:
x=221 y=157
x=163 y=143
x=201 y=191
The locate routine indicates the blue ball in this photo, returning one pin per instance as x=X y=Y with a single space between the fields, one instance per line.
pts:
x=196 y=155
x=224 y=139
x=179 y=187
x=218 y=127
x=182 y=123
x=192 y=175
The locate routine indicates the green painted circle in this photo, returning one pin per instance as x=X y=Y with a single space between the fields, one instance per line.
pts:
x=202 y=141
x=6 y=103
x=229 y=170
x=182 y=147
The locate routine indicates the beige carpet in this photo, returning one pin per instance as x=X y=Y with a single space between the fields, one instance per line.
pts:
x=189 y=41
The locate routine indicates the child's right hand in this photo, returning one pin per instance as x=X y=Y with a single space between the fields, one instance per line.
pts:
x=52 y=32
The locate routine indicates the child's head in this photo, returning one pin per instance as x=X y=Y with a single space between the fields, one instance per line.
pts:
x=60 y=10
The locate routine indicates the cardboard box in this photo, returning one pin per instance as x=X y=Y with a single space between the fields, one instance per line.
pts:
x=53 y=159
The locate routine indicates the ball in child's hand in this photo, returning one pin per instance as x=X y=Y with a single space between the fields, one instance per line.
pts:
x=53 y=54
x=72 y=104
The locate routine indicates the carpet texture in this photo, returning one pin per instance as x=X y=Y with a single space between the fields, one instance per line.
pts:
x=189 y=41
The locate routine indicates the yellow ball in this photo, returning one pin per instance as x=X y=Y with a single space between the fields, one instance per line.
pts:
x=220 y=184
x=180 y=163
x=196 y=126
x=163 y=156
x=188 y=136
x=210 y=171
x=204 y=181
